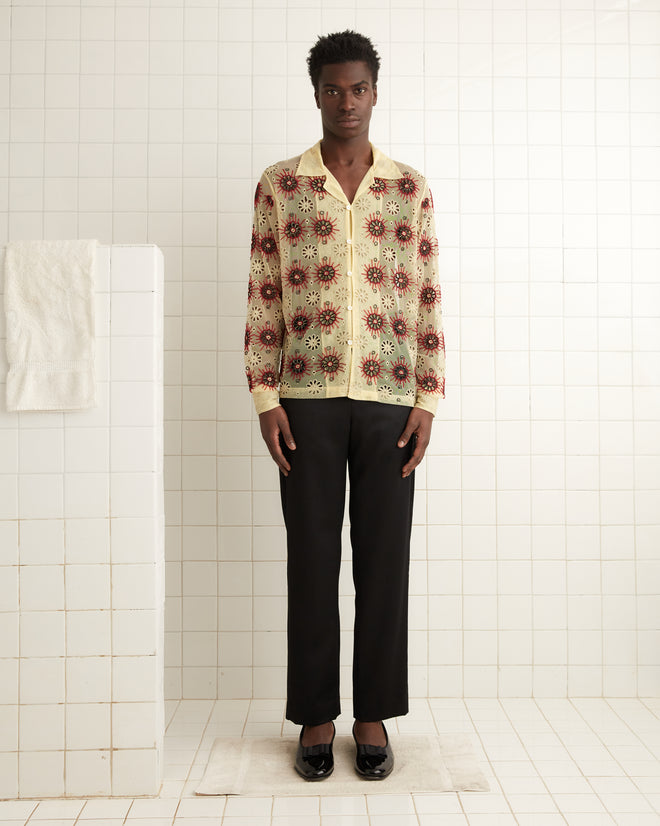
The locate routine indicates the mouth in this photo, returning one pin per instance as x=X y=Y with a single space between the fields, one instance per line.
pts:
x=349 y=121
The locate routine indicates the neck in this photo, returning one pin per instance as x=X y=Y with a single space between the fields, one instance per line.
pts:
x=346 y=152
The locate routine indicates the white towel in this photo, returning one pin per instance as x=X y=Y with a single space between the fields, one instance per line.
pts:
x=49 y=303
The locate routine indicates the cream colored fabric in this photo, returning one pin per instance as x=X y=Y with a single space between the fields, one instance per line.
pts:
x=344 y=299
x=260 y=766
x=49 y=304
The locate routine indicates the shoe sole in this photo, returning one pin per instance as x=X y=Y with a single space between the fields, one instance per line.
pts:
x=373 y=776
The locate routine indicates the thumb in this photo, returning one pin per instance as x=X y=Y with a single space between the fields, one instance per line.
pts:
x=405 y=436
x=287 y=434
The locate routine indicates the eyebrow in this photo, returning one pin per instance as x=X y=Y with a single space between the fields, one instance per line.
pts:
x=335 y=85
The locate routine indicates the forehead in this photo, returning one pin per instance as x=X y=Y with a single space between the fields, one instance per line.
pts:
x=345 y=74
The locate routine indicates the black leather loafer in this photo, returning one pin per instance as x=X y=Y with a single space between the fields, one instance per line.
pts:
x=315 y=762
x=374 y=762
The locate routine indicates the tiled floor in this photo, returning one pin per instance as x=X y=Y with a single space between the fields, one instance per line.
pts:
x=552 y=762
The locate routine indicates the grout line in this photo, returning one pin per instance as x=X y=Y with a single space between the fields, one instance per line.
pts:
x=634 y=386
x=529 y=757
x=496 y=779
x=572 y=701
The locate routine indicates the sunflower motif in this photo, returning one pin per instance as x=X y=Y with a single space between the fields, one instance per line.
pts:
x=314 y=388
x=313 y=342
x=392 y=207
x=305 y=205
x=309 y=251
x=313 y=297
x=389 y=254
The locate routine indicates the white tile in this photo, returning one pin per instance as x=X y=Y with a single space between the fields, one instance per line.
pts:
x=389 y=804
x=87 y=541
x=41 y=774
x=17 y=810
x=152 y=808
x=87 y=587
x=88 y=679
x=87 y=772
x=134 y=725
x=135 y=771
x=249 y=807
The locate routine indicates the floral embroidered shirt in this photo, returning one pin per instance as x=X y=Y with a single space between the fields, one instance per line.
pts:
x=343 y=298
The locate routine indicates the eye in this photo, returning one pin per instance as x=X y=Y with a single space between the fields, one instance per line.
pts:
x=360 y=90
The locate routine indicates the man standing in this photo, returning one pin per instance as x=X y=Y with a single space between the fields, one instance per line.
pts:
x=344 y=356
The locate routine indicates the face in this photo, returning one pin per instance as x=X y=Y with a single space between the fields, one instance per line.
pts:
x=345 y=95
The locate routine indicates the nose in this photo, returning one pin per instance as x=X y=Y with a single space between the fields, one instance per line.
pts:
x=346 y=103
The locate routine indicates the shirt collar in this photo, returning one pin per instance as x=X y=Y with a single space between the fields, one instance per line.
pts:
x=311 y=163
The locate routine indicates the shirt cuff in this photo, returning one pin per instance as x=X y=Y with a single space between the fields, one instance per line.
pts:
x=265 y=400
x=428 y=403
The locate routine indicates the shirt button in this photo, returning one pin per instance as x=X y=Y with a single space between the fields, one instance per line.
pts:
x=350 y=342
x=350 y=272
x=349 y=241
x=350 y=306
x=348 y=207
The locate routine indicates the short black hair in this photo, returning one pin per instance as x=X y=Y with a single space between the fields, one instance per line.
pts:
x=342 y=47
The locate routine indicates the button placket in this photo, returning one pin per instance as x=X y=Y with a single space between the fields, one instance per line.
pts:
x=349 y=242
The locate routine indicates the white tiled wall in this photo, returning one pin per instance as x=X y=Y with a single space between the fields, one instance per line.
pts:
x=81 y=560
x=536 y=564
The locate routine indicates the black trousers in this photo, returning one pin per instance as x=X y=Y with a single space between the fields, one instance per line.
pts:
x=329 y=434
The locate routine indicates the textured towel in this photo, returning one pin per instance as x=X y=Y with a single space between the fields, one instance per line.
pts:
x=49 y=303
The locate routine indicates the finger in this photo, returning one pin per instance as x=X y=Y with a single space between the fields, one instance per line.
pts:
x=287 y=435
x=405 y=436
x=278 y=456
x=415 y=459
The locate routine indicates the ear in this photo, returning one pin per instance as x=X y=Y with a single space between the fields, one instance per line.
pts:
x=375 y=95
x=316 y=98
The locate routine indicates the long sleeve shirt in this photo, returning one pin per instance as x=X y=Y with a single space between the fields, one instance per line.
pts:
x=343 y=298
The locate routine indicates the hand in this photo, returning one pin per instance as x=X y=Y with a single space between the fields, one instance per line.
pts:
x=272 y=423
x=419 y=423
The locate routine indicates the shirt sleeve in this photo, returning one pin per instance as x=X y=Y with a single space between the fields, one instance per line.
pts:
x=430 y=365
x=264 y=328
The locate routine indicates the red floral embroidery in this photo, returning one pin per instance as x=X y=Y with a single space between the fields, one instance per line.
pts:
x=371 y=368
x=401 y=280
x=400 y=371
x=404 y=233
x=287 y=183
x=268 y=293
x=399 y=327
x=298 y=365
x=292 y=230
x=324 y=227
x=268 y=378
x=299 y=322
x=430 y=341
x=268 y=337
x=375 y=227
x=427 y=248
x=407 y=186
x=327 y=317
x=268 y=245
x=374 y=274
x=330 y=363
x=296 y=276
x=374 y=321
x=430 y=383
x=379 y=187
x=326 y=273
